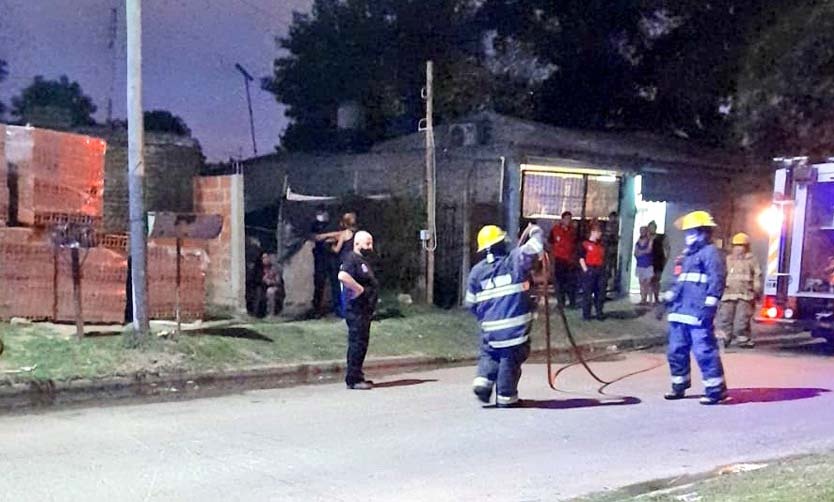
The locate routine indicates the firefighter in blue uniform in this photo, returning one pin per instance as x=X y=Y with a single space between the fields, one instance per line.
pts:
x=692 y=305
x=498 y=295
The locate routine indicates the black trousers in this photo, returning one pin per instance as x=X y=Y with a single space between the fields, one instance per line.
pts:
x=593 y=291
x=359 y=333
x=326 y=270
x=564 y=273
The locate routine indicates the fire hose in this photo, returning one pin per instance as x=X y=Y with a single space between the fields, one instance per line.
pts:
x=580 y=358
x=543 y=290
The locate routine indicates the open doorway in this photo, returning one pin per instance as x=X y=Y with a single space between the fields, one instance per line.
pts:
x=647 y=211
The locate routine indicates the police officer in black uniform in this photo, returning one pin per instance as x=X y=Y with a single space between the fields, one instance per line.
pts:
x=361 y=293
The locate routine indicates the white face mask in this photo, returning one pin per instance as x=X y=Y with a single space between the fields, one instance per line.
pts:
x=691 y=239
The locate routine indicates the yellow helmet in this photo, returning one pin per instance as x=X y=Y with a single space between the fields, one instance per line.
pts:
x=695 y=219
x=490 y=235
x=741 y=239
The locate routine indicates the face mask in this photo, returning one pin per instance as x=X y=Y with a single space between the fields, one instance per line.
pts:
x=692 y=238
x=366 y=252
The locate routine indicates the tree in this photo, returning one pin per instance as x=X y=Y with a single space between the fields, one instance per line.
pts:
x=165 y=121
x=659 y=65
x=54 y=97
x=785 y=98
x=373 y=53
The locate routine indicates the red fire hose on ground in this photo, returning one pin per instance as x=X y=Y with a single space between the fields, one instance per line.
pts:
x=580 y=358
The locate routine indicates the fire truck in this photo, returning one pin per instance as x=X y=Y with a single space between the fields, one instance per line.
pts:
x=799 y=278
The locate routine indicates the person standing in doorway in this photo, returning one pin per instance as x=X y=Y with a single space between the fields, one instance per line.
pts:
x=592 y=261
x=562 y=240
x=361 y=295
x=660 y=255
x=645 y=270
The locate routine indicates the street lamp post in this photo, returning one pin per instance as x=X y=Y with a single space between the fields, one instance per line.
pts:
x=246 y=79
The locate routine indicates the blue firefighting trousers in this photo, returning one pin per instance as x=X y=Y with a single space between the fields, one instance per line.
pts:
x=701 y=341
x=502 y=367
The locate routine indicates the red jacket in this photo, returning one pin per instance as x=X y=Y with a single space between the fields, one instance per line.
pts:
x=563 y=242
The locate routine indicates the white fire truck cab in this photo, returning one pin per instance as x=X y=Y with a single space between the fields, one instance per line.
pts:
x=799 y=279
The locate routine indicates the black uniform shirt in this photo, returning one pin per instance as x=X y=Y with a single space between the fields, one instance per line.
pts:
x=358 y=268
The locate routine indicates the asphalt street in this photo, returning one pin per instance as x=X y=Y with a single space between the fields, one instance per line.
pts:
x=423 y=436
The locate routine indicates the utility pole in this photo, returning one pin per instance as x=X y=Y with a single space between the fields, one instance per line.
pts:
x=246 y=79
x=430 y=244
x=136 y=170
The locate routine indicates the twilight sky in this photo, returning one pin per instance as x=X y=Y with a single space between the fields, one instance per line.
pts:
x=190 y=48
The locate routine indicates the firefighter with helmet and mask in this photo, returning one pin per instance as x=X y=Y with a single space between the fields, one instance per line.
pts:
x=498 y=295
x=691 y=305
x=744 y=286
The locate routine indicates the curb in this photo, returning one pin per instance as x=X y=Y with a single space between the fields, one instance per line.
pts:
x=191 y=385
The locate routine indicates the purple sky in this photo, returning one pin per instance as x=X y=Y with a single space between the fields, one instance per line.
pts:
x=190 y=48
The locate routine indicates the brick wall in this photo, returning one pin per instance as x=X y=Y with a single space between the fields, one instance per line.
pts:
x=213 y=195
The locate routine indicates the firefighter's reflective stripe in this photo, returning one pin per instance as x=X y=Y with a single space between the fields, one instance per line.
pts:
x=680 y=379
x=491 y=294
x=482 y=382
x=506 y=399
x=503 y=344
x=711 y=301
x=693 y=277
x=497 y=281
x=510 y=322
x=690 y=320
x=469 y=299
x=713 y=382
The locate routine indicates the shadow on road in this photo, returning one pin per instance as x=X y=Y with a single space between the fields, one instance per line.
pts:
x=626 y=315
x=567 y=404
x=402 y=383
x=234 y=332
x=772 y=394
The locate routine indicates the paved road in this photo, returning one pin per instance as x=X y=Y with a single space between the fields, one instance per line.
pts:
x=421 y=437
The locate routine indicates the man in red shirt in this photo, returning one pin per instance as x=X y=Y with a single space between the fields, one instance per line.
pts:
x=563 y=251
x=592 y=261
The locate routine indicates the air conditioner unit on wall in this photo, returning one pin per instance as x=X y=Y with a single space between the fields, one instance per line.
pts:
x=464 y=134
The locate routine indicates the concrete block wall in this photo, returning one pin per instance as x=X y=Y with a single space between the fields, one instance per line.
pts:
x=170 y=164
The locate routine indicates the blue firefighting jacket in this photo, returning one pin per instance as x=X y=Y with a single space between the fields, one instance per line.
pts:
x=699 y=286
x=498 y=294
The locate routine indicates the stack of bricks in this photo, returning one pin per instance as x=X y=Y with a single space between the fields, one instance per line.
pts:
x=104 y=274
x=26 y=274
x=162 y=283
x=47 y=178
x=58 y=176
